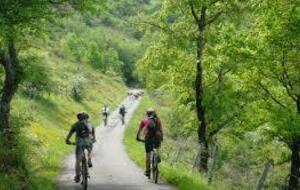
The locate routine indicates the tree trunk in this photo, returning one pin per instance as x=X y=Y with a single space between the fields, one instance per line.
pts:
x=295 y=165
x=214 y=157
x=264 y=175
x=10 y=63
x=295 y=159
x=199 y=95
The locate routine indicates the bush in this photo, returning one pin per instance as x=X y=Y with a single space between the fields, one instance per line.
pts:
x=77 y=90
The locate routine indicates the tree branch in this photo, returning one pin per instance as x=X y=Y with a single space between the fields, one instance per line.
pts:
x=193 y=11
x=3 y=58
x=227 y=121
x=222 y=125
x=213 y=2
x=286 y=82
x=214 y=17
x=266 y=90
x=165 y=29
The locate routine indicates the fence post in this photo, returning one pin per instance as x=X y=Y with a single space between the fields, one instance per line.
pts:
x=264 y=175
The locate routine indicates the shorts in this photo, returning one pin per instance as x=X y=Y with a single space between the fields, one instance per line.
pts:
x=151 y=143
x=82 y=144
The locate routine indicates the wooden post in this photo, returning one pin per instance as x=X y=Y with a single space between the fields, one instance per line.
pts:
x=214 y=156
x=264 y=175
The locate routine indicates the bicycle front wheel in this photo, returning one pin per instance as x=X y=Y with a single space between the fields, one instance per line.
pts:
x=84 y=174
x=155 y=173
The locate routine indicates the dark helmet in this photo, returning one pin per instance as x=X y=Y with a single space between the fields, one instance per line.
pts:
x=82 y=116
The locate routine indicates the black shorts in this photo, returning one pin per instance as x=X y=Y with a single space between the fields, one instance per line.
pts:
x=151 y=143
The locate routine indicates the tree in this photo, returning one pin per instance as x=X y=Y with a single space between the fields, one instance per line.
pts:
x=20 y=22
x=275 y=73
x=196 y=73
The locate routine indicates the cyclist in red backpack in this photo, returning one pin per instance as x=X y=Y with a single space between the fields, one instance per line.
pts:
x=153 y=135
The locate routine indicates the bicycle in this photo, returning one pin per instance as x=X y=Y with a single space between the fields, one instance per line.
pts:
x=105 y=116
x=123 y=118
x=154 y=169
x=84 y=167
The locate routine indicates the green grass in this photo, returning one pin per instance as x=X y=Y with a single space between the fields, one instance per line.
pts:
x=178 y=176
x=47 y=120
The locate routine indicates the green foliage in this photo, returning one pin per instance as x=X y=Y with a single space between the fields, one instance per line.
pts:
x=78 y=87
x=250 y=80
x=35 y=73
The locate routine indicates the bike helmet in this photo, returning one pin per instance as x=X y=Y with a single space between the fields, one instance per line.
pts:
x=82 y=116
x=150 y=111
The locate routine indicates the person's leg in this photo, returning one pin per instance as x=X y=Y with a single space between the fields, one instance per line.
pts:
x=90 y=157
x=148 y=154
x=78 y=164
x=157 y=144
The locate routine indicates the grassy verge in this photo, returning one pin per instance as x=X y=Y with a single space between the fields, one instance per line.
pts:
x=179 y=176
x=48 y=118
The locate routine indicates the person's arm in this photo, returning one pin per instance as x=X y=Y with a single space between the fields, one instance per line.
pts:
x=139 y=131
x=160 y=128
x=93 y=134
x=70 y=135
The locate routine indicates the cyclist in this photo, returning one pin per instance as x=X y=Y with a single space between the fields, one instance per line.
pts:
x=122 y=112
x=105 y=113
x=153 y=134
x=85 y=137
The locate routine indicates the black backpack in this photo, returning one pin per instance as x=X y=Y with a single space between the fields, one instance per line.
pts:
x=153 y=127
x=82 y=130
x=122 y=110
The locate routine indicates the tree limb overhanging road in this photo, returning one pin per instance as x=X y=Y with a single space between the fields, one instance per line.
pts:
x=113 y=170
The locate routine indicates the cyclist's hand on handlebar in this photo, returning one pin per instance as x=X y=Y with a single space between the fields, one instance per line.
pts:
x=68 y=141
x=139 y=139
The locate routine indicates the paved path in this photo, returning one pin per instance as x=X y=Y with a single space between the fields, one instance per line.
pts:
x=112 y=170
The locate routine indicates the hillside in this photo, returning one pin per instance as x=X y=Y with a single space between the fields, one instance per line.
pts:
x=46 y=119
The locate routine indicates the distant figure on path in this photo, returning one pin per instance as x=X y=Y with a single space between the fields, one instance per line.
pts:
x=122 y=112
x=105 y=113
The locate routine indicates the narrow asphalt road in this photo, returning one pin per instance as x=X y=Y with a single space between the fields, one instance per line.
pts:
x=112 y=170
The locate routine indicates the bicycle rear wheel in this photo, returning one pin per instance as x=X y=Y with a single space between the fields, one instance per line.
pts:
x=123 y=120
x=105 y=121
x=155 y=170
x=84 y=174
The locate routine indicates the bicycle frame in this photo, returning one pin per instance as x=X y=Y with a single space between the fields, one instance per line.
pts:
x=84 y=166
x=153 y=163
x=105 y=118
x=84 y=171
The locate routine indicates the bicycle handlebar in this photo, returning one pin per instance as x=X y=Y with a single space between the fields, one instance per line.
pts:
x=71 y=143
x=141 y=140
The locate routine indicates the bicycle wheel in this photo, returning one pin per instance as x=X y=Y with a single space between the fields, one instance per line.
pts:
x=105 y=121
x=84 y=174
x=155 y=170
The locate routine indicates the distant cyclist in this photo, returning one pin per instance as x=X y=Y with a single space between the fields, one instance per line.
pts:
x=105 y=113
x=85 y=137
x=153 y=134
x=122 y=112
